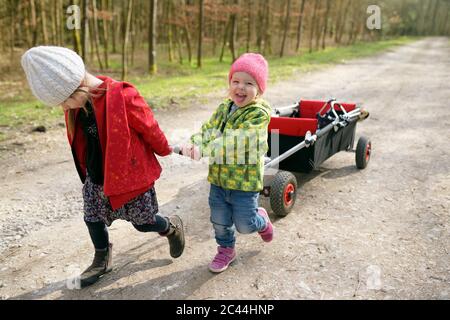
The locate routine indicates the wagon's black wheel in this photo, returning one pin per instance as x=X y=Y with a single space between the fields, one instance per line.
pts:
x=363 y=152
x=283 y=192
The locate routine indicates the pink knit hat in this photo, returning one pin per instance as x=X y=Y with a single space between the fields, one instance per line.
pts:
x=255 y=65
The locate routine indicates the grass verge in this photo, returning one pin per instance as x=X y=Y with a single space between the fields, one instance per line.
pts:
x=176 y=84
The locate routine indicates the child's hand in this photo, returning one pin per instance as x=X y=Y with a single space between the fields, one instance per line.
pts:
x=196 y=154
x=192 y=151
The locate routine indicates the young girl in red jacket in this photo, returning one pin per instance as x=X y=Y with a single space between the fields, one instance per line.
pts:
x=114 y=138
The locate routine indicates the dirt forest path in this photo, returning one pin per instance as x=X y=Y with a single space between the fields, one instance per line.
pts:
x=379 y=233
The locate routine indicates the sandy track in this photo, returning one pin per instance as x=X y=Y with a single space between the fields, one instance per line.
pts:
x=378 y=233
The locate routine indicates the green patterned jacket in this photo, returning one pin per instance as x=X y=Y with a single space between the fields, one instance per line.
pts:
x=236 y=146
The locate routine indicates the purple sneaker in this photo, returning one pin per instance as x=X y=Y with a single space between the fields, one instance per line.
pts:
x=222 y=260
x=267 y=233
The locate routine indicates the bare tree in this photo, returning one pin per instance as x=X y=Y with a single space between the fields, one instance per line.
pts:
x=225 y=38
x=12 y=38
x=233 y=29
x=53 y=15
x=286 y=27
x=114 y=23
x=319 y=25
x=259 y=31
x=152 y=37
x=177 y=31
x=43 y=21
x=200 y=34
x=33 y=23
x=85 y=30
x=187 y=33
x=125 y=40
x=267 y=42
x=249 y=23
x=77 y=38
x=168 y=28
x=59 y=27
x=313 y=24
x=95 y=35
x=434 y=19
x=105 y=34
x=340 y=31
x=299 y=26
x=325 y=28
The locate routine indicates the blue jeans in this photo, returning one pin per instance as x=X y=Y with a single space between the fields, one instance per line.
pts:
x=234 y=209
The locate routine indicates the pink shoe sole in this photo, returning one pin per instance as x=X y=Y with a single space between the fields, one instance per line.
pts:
x=223 y=258
x=219 y=270
x=267 y=233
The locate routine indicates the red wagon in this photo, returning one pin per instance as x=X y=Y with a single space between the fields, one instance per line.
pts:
x=301 y=137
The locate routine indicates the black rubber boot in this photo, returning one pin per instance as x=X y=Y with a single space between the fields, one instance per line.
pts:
x=101 y=265
x=175 y=235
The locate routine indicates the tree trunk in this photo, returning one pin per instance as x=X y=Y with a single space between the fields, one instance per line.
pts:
x=187 y=34
x=249 y=24
x=168 y=27
x=33 y=23
x=114 y=22
x=353 y=26
x=267 y=45
x=443 y=20
x=444 y=27
x=42 y=7
x=27 y=18
x=299 y=26
x=119 y=29
x=76 y=37
x=319 y=27
x=59 y=28
x=313 y=25
x=134 y=29
x=214 y=32
x=233 y=29
x=105 y=34
x=95 y=35
x=327 y=13
x=339 y=14
x=91 y=39
x=85 y=30
x=53 y=9
x=341 y=30
x=12 y=9
x=286 y=27
x=152 y=37
x=259 y=31
x=435 y=12
x=125 y=40
x=225 y=38
x=200 y=34
x=177 y=32
x=12 y=35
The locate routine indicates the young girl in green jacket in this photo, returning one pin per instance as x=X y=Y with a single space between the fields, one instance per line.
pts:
x=235 y=140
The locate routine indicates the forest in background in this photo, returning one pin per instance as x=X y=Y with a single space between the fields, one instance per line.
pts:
x=187 y=31
x=176 y=52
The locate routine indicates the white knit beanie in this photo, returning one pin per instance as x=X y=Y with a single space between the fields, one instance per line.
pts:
x=53 y=73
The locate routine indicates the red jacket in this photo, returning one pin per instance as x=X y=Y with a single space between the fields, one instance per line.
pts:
x=129 y=138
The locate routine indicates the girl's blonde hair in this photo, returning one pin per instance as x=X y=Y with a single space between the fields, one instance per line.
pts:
x=91 y=93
